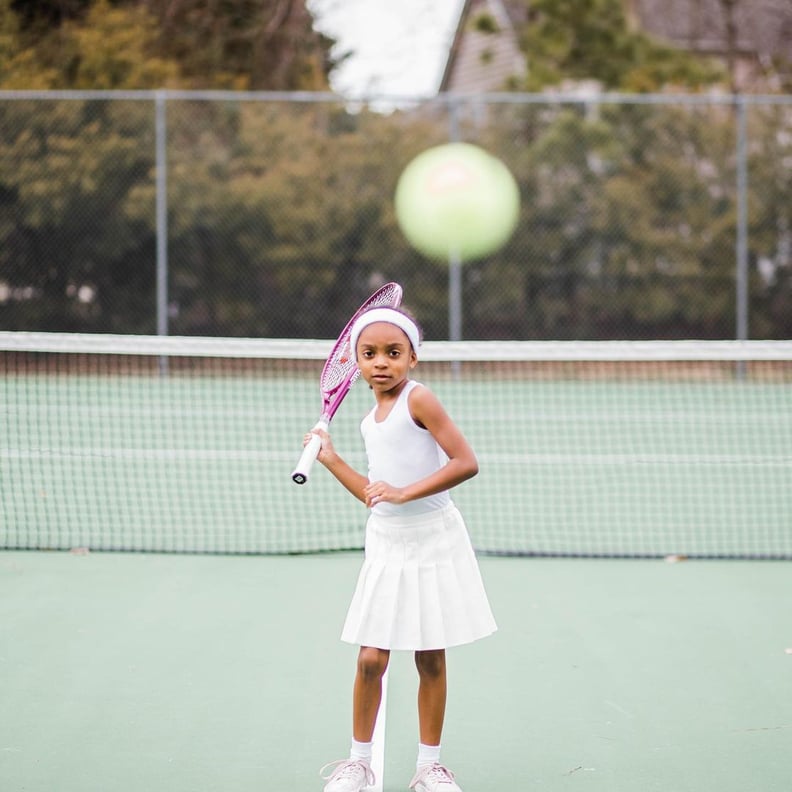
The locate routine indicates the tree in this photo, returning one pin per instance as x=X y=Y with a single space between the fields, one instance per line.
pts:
x=591 y=40
x=281 y=226
x=239 y=44
x=77 y=224
x=249 y=44
x=70 y=229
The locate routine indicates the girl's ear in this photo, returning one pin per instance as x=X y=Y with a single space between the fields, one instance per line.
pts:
x=413 y=359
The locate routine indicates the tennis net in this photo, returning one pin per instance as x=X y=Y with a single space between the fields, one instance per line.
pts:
x=166 y=444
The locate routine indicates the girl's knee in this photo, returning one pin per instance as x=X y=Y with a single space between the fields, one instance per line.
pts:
x=372 y=662
x=431 y=663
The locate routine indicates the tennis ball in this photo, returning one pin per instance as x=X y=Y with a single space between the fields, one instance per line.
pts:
x=457 y=200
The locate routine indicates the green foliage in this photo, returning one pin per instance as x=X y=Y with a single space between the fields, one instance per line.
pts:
x=65 y=223
x=108 y=47
x=628 y=225
x=770 y=222
x=279 y=210
x=19 y=63
x=244 y=44
x=485 y=23
x=280 y=219
x=112 y=50
x=240 y=44
x=591 y=40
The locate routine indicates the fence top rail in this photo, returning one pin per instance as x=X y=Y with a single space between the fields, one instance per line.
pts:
x=451 y=98
x=438 y=351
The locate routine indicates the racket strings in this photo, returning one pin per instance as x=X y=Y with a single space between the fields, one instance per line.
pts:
x=339 y=366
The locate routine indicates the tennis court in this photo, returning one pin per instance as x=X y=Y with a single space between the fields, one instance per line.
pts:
x=192 y=672
x=206 y=656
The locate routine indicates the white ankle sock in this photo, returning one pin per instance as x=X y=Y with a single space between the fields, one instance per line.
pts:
x=360 y=750
x=428 y=754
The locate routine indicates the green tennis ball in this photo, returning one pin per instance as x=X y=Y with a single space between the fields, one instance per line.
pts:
x=457 y=200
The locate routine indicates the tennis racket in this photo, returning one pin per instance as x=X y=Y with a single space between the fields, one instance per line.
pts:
x=339 y=374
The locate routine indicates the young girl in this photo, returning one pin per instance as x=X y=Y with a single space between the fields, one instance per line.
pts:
x=419 y=588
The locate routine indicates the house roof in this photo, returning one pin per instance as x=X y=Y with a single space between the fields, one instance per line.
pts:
x=763 y=28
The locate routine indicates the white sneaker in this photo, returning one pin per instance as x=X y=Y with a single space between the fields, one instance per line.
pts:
x=349 y=775
x=434 y=778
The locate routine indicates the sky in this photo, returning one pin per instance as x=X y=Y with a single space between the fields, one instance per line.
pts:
x=399 y=47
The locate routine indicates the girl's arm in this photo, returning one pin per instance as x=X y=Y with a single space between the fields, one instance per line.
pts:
x=427 y=411
x=350 y=478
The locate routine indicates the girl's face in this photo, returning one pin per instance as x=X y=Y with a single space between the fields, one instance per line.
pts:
x=384 y=356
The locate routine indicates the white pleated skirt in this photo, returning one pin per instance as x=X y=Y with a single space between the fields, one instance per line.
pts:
x=420 y=587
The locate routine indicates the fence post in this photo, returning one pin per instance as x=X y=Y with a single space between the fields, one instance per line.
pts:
x=741 y=276
x=161 y=136
x=454 y=260
x=454 y=263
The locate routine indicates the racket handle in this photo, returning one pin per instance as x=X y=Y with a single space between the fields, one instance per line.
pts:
x=309 y=454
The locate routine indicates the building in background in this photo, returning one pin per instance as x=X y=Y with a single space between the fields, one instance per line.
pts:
x=753 y=38
x=485 y=54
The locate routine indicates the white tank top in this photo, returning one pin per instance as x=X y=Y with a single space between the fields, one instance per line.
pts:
x=401 y=453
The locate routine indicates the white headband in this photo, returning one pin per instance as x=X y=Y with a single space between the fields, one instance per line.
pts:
x=390 y=316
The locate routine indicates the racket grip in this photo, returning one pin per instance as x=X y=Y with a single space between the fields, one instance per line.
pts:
x=309 y=454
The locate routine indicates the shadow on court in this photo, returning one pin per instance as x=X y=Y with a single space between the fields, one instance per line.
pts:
x=178 y=673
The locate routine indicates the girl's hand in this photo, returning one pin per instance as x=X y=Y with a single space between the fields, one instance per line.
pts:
x=326 y=449
x=382 y=492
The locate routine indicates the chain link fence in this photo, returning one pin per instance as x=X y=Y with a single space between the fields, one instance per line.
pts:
x=271 y=215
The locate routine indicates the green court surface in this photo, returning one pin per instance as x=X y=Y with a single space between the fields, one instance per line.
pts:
x=188 y=673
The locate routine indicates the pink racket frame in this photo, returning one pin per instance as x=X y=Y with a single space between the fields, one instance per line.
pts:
x=339 y=374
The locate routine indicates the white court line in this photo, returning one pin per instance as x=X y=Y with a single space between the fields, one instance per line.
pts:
x=378 y=747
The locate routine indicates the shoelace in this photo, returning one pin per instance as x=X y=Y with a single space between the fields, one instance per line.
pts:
x=436 y=772
x=347 y=768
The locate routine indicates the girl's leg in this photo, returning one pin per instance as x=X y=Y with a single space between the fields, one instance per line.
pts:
x=432 y=688
x=367 y=691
